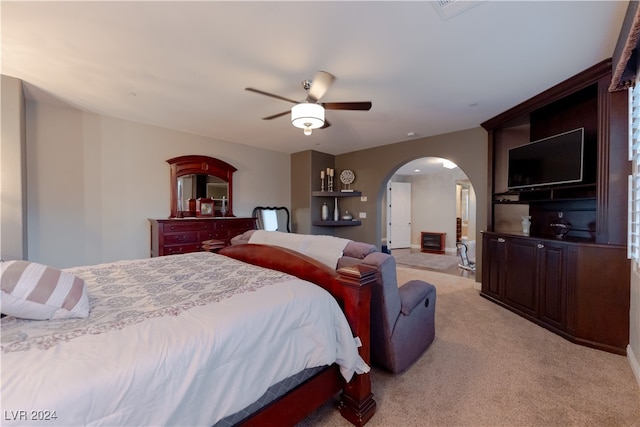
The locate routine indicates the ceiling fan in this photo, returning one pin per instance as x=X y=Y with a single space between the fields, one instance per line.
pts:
x=309 y=114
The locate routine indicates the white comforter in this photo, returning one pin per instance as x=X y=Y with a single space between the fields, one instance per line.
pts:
x=325 y=249
x=163 y=347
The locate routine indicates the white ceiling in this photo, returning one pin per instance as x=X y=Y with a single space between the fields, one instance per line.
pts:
x=185 y=65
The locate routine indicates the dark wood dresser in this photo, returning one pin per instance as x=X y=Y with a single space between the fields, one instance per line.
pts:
x=183 y=235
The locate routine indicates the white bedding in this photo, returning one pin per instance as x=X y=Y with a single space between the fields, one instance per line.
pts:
x=326 y=249
x=161 y=346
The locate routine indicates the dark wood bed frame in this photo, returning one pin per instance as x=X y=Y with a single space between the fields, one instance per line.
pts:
x=351 y=288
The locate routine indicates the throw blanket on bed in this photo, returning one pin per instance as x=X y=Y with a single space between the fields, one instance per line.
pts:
x=175 y=340
x=325 y=249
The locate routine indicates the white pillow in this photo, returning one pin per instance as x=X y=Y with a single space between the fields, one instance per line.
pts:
x=35 y=291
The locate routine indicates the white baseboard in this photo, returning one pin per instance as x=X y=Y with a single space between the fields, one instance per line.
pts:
x=635 y=363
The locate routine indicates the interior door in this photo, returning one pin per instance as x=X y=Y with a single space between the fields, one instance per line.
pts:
x=399 y=215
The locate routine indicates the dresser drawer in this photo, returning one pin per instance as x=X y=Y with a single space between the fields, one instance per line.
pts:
x=213 y=234
x=177 y=236
x=188 y=226
x=181 y=238
x=180 y=249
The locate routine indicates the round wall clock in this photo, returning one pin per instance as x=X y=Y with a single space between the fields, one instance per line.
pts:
x=347 y=177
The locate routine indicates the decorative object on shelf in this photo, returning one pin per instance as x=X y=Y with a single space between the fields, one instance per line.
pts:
x=561 y=226
x=204 y=206
x=526 y=224
x=321 y=180
x=347 y=216
x=334 y=219
x=223 y=208
x=347 y=177
x=330 y=179
x=325 y=212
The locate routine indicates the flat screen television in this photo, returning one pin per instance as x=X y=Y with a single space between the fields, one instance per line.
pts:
x=558 y=159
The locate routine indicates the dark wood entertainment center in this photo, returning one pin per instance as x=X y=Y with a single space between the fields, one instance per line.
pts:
x=577 y=286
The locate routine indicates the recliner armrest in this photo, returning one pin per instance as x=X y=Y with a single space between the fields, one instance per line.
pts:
x=412 y=294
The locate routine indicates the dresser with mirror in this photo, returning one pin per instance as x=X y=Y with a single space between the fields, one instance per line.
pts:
x=201 y=207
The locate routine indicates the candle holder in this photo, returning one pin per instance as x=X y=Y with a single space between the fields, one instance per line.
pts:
x=330 y=184
x=322 y=184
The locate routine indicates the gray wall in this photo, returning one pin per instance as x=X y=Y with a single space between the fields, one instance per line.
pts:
x=13 y=182
x=93 y=181
x=305 y=178
x=374 y=167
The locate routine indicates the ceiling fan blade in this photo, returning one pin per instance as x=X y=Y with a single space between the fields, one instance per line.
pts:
x=276 y=115
x=250 y=89
x=320 y=85
x=347 y=105
x=326 y=124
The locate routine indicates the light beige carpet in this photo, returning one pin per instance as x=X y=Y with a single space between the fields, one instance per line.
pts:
x=490 y=367
x=411 y=258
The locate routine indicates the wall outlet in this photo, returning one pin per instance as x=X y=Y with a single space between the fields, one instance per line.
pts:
x=362 y=215
x=363 y=198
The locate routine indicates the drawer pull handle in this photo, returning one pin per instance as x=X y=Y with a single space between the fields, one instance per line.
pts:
x=540 y=246
x=501 y=240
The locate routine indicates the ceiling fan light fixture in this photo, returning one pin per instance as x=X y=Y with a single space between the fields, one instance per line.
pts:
x=307 y=115
x=308 y=131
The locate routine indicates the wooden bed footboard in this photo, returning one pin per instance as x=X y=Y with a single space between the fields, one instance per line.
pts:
x=351 y=288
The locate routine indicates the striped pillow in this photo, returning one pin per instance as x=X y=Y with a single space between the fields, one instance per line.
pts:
x=36 y=291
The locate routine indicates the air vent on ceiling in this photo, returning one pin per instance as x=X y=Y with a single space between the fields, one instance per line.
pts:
x=450 y=8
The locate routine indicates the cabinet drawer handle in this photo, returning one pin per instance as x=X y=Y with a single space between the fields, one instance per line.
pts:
x=501 y=240
x=540 y=246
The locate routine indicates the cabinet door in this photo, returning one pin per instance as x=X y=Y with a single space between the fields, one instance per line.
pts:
x=521 y=290
x=493 y=266
x=601 y=297
x=552 y=283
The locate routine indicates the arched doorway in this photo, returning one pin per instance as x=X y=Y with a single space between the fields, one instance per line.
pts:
x=441 y=200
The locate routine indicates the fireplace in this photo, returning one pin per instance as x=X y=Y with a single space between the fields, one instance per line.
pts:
x=432 y=242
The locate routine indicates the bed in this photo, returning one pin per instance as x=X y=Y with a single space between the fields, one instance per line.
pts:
x=162 y=346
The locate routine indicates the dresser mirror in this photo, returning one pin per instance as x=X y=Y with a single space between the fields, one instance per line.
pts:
x=194 y=177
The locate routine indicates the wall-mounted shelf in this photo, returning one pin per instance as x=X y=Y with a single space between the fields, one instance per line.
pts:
x=340 y=223
x=336 y=195
x=537 y=195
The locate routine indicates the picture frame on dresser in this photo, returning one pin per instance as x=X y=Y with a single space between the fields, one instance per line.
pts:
x=204 y=207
